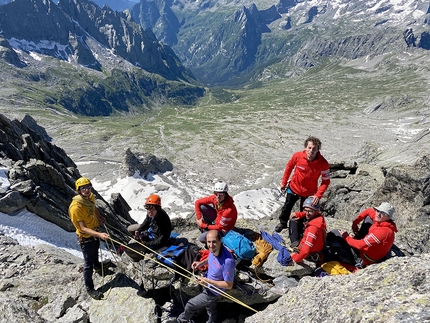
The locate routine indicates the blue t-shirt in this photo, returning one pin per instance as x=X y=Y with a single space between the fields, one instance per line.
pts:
x=220 y=268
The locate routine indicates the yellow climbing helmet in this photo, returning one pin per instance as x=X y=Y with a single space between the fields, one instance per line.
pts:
x=82 y=182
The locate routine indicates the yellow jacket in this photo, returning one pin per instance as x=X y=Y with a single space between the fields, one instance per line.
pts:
x=84 y=210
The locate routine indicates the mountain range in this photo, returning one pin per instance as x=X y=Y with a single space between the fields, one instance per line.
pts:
x=90 y=59
x=239 y=40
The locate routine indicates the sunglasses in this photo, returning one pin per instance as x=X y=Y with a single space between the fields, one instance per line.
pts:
x=382 y=213
x=149 y=206
x=84 y=188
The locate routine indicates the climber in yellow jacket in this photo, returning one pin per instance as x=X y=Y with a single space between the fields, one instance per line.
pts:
x=85 y=217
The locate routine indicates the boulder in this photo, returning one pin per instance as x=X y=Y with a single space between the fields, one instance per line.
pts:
x=12 y=202
x=144 y=164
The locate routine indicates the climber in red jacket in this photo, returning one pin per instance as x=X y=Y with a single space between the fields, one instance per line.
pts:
x=308 y=166
x=378 y=239
x=310 y=226
x=216 y=212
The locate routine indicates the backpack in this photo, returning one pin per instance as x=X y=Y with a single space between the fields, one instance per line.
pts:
x=170 y=255
x=334 y=268
x=242 y=247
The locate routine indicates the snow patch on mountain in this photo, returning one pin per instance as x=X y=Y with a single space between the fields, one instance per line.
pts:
x=60 y=51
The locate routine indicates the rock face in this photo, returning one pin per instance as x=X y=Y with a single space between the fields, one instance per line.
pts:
x=42 y=177
x=374 y=294
x=144 y=164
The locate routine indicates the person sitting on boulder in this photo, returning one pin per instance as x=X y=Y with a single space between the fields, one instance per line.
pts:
x=216 y=212
x=219 y=277
x=153 y=233
x=310 y=227
x=372 y=242
x=85 y=217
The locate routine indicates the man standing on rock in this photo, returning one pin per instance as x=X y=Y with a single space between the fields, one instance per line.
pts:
x=308 y=166
x=85 y=217
x=216 y=212
x=220 y=276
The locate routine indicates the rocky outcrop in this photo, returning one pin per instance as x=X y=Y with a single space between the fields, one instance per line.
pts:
x=42 y=177
x=8 y=54
x=284 y=5
x=375 y=294
x=286 y=24
x=406 y=187
x=144 y=164
x=408 y=36
x=351 y=47
x=424 y=40
x=159 y=17
x=32 y=124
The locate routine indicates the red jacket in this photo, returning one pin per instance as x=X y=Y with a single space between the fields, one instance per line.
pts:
x=313 y=237
x=370 y=212
x=226 y=212
x=377 y=243
x=304 y=181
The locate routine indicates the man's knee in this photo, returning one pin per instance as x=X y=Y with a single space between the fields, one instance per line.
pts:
x=132 y=228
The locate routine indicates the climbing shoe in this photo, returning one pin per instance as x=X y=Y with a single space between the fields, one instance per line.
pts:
x=95 y=294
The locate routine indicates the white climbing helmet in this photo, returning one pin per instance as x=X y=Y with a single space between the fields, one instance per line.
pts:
x=221 y=186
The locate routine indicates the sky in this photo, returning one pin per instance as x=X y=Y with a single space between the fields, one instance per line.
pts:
x=29 y=229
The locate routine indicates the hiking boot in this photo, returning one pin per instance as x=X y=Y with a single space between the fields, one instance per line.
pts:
x=95 y=294
x=279 y=227
x=108 y=264
x=104 y=272
x=104 y=268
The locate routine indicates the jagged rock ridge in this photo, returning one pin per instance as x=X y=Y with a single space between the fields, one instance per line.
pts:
x=89 y=60
x=238 y=39
x=42 y=178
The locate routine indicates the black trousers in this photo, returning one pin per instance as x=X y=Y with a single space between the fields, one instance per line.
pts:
x=290 y=200
x=296 y=229
x=90 y=251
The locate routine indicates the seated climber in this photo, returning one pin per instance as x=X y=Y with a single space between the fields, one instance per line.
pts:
x=372 y=243
x=216 y=212
x=219 y=277
x=310 y=227
x=153 y=233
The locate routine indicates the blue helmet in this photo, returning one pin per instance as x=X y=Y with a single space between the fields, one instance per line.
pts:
x=308 y=203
